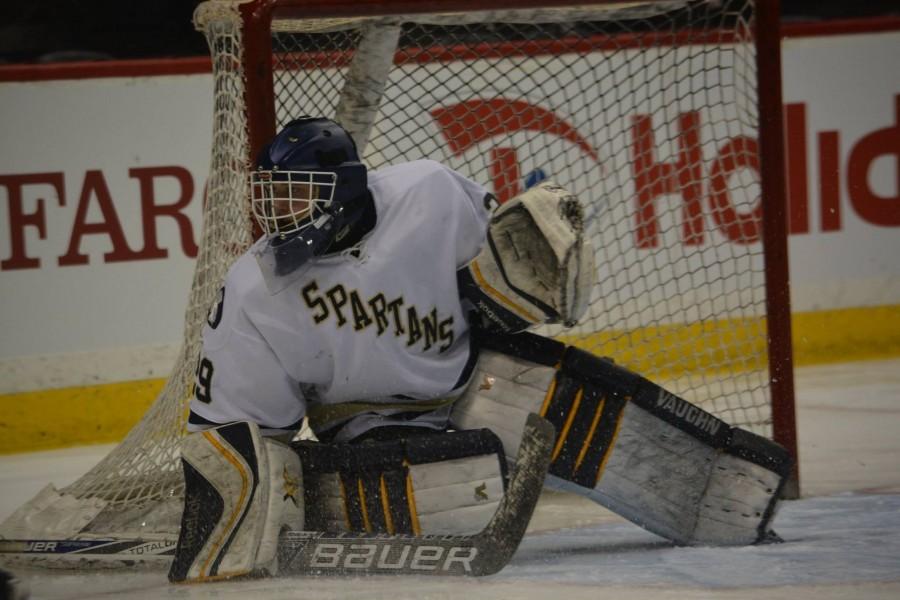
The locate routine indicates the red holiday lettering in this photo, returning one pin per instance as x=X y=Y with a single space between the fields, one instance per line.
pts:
x=505 y=173
x=653 y=179
x=830 y=180
x=741 y=228
x=871 y=207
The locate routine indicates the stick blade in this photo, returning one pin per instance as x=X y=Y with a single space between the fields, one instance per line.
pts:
x=484 y=553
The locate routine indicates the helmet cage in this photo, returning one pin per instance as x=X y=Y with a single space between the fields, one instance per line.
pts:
x=287 y=202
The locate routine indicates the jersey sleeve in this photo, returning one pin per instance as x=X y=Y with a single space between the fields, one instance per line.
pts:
x=472 y=212
x=468 y=203
x=239 y=377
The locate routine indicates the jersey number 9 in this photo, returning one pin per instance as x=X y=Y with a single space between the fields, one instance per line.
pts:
x=203 y=385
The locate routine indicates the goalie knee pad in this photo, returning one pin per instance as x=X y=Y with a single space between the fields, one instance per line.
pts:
x=440 y=483
x=630 y=445
x=241 y=492
x=536 y=266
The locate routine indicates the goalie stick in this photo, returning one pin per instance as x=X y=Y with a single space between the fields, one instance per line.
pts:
x=94 y=551
x=326 y=553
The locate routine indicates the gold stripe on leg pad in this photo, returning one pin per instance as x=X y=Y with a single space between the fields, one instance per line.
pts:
x=590 y=434
x=364 y=511
x=567 y=426
x=599 y=441
x=386 y=505
x=411 y=500
x=586 y=419
x=238 y=508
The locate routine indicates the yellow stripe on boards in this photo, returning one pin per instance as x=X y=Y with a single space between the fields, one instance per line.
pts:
x=846 y=335
x=666 y=352
x=669 y=351
x=58 y=418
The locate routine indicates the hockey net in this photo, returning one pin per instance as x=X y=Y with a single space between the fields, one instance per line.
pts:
x=647 y=111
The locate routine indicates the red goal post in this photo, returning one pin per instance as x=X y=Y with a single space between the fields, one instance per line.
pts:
x=664 y=117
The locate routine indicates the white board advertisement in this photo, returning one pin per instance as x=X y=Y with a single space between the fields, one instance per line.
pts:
x=102 y=180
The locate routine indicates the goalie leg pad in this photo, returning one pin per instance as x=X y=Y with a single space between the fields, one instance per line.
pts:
x=241 y=492
x=506 y=389
x=626 y=443
x=503 y=391
x=441 y=483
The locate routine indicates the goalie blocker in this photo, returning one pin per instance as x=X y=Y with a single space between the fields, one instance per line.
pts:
x=627 y=443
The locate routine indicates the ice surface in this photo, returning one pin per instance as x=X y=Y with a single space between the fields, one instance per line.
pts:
x=842 y=538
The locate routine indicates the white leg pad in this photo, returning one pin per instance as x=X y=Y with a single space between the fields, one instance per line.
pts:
x=433 y=484
x=738 y=495
x=241 y=491
x=502 y=393
x=646 y=466
x=678 y=487
x=456 y=496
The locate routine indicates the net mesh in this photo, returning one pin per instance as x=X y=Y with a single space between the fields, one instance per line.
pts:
x=647 y=112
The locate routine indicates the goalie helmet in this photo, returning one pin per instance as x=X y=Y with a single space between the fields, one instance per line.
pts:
x=307 y=187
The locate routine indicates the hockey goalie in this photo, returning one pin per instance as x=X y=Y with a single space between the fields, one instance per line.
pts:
x=390 y=310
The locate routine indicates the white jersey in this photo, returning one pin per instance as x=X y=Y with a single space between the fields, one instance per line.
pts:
x=383 y=326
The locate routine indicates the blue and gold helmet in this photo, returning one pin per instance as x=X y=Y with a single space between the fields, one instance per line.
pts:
x=308 y=185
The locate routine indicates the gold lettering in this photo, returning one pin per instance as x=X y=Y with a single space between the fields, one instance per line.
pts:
x=445 y=331
x=394 y=307
x=383 y=314
x=361 y=319
x=337 y=295
x=378 y=304
x=430 y=325
x=315 y=302
x=415 y=328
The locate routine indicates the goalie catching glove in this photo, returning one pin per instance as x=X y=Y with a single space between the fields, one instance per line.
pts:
x=627 y=443
x=536 y=267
